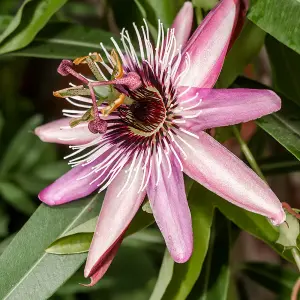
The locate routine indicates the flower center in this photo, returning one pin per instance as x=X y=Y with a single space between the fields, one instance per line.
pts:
x=147 y=113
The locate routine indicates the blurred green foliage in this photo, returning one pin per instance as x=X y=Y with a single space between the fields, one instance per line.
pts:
x=33 y=30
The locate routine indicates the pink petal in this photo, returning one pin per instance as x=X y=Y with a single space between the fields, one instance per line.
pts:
x=216 y=168
x=73 y=185
x=244 y=5
x=208 y=45
x=116 y=213
x=170 y=209
x=223 y=107
x=183 y=23
x=60 y=132
x=105 y=263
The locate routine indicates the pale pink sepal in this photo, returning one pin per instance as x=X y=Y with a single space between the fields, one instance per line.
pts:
x=170 y=208
x=223 y=107
x=60 y=132
x=208 y=45
x=73 y=185
x=220 y=171
x=183 y=23
x=116 y=213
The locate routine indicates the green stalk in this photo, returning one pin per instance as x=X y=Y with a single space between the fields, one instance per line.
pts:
x=248 y=154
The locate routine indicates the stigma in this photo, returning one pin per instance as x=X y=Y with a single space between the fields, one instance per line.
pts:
x=129 y=81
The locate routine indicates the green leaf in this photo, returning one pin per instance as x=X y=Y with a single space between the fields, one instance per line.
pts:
x=29 y=20
x=279 y=18
x=4 y=220
x=279 y=164
x=78 y=239
x=65 y=40
x=285 y=69
x=71 y=244
x=14 y=22
x=275 y=278
x=29 y=183
x=16 y=197
x=5 y=243
x=131 y=270
x=19 y=145
x=223 y=134
x=254 y=224
x=1 y=123
x=34 y=152
x=51 y=171
x=164 y=277
x=213 y=282
x=185 y=275
x=4 y=21
x=245 y=48
x=205 y=4
x=149 y=15
x=165 y=10
x=283 y=125
x=33 y=273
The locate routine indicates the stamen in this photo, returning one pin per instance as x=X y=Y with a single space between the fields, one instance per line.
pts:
x=169 y=164
x=149 y=173
x=129 y=175
x=158 y=160
x=191 y=99
x=189 y=133
x=177 y=157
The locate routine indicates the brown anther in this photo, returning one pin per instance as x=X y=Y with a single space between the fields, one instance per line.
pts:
x=118 y=102
x=97 y=126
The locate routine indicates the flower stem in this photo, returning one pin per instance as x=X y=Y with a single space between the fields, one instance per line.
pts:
x=248 y=154
x=296 y=257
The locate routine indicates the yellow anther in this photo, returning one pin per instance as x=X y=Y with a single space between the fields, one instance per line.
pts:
x=57 y=94
x=118 y=64
x=80 y=60
x=109 y=109
x=96 y=57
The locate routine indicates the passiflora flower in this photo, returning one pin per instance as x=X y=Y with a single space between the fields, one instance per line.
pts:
x=141 y=123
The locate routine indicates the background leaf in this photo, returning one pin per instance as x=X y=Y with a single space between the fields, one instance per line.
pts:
x=213 y=283
x=64 y=40
x=283 y=125
x=16 y=197
x=38 y=275
x=78 y=239
x=185 y=275
x=245 y=48
x=275 y=278
x=18 y=147
x=285 y=69
x=30 y=19
x=279 y=18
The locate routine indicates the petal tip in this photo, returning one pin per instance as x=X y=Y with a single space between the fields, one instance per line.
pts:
x=279 y=218
x=182 y=257
x=276 y=100
x=46 y=197
x=39 y=132
x=187 y=5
